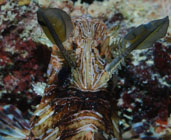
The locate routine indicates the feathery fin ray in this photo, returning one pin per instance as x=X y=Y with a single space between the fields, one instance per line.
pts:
x=12 y=124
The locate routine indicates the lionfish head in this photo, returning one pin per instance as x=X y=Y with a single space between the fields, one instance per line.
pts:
x=86 y=48
x=89 y=44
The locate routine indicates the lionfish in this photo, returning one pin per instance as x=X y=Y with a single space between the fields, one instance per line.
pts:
x=78 y=102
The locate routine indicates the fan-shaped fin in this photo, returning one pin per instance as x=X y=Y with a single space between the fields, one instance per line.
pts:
x=12 y=124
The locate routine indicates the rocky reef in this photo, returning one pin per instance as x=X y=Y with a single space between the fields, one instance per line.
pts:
x=23 y=63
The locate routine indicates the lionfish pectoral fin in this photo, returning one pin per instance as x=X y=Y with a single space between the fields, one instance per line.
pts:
x=12 y=124
x=140 y=37
x=57 y=25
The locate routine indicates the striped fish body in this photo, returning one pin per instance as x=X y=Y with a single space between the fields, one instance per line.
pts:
x=80 y=106
x=68 y=114
x=76 y=104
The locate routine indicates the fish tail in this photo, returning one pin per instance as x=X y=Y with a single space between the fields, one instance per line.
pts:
x=12 y=124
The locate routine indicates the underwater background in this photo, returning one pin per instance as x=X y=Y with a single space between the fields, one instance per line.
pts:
x=143 y=89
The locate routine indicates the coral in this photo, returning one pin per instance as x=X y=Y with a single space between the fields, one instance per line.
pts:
x=22 y=62
x=144 y=87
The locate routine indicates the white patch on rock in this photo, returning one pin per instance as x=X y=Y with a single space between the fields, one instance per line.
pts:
x=130 y=90
x=162 y=80
x=137 y=58
x=39 y=88
x=150 y=62
x=120 y=102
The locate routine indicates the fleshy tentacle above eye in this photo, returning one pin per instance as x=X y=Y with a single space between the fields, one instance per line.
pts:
x=57 y=25
x=139 y=38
